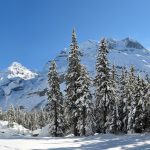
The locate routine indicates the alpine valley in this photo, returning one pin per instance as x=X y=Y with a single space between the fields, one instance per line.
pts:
x=22 y=87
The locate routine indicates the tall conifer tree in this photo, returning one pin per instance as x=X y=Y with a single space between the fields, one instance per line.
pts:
x=113 y=122
x=86 y=122
x=55 y=102
x=11 y=116
x=123 y=102
x=131 y=85
x=73 y=73
x=104 y=89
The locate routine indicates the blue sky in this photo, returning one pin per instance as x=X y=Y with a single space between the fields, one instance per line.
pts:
x=34 y=31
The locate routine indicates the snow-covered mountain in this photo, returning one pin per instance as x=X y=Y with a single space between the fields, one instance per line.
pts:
x=124 y=52
x=17 y=70
x=21 y=87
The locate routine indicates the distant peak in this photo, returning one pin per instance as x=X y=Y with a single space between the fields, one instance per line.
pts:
x=129 y=39
x=16 y=69
x=131 y=43
x=111 y=39
x=16 y=64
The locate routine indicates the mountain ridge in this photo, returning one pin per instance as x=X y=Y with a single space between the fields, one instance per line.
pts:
x=28 y=89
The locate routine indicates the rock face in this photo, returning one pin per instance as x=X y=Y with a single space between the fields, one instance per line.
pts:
x=22 y=87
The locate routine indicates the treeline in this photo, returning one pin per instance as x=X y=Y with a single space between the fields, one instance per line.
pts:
x=120 y=103
x=31 y=120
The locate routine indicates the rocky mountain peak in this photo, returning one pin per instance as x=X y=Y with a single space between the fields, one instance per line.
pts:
x=18 y=70
x=130 y=43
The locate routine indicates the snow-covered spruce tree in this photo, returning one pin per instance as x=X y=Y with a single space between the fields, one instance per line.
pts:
x=55 y=103
x=72 y=76
x=104 y=93
x=131 y=84
x=30 y=120
x=34 y=120
x=123 y=101
x=11 y=116
x=1 y=114
x=18 y=114
x=146 y=103
x=42 y=118
x=147 y=78
x=138 y=110
x=27 y=121
x=86 y=122
x=113 y=123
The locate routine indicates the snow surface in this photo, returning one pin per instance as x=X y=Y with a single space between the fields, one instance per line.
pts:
x=20 y=138
x=16 y=130
x=97 y=142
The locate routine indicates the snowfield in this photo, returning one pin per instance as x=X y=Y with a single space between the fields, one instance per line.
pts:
x=97 y=142
x=19 y=138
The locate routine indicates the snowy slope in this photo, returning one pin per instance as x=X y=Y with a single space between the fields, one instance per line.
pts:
x=98 y=142
x=22 y=87
x=16 y=130
x=125 y=52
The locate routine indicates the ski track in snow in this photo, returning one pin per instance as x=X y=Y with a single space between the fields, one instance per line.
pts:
x=97 y=142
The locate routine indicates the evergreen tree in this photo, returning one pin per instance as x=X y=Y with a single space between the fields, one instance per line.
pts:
x=104 y=89
x=73 y=74
x=55 y=102
x=18 y=114
x=41 y=118
x=123 y=101
x=34 y=120
x=146 y=103
x=113 y=122
x=147 y=78
x=27 y=120
x=131 y=84
x=138 y=111
x=11 y=116
x=84 y=104
x=1 y=114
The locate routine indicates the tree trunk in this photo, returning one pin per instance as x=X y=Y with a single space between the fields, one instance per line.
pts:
x=56 y=123
x=105 y=114
x=75 y=120
x=84 y=115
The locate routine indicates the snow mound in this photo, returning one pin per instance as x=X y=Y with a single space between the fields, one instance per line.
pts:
x=70 y=135
x=44 y=131
x=17 y=70
x=41 y=132
x=16 y=130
